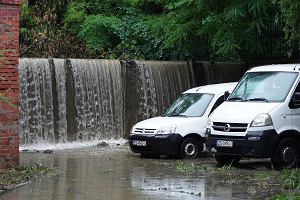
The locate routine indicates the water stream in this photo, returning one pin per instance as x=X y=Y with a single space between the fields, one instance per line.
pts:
x=160 y=83
x=36 y=116
x=98 y=98
x=63 y=100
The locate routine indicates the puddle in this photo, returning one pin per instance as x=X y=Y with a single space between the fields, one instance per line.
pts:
x=116 y=173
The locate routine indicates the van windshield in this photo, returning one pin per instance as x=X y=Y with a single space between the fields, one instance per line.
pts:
x=190 y=105
x=264 y=86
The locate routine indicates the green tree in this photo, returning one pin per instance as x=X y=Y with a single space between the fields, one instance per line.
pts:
x=290 y=11
x=227 y=30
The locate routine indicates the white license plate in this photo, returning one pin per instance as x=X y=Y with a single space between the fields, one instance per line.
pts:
x=139 y=143
x=224 y=143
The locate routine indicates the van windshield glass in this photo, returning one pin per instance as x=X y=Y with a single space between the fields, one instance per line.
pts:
x=264 y=86
x=190 y=105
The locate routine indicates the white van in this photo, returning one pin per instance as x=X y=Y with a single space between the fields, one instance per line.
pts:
x=181 y=130
x=260 y=118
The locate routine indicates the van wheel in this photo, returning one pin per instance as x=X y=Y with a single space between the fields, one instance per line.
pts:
x=227 y=160
x=191 y=148
x=286 y=154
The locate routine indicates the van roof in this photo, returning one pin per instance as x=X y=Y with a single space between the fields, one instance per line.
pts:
x=213 y=89
x=277 y=67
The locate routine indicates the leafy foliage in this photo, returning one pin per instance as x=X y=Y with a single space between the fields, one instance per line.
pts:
x=232 y=28
x=100 y=32
x=178 y=29
x=290 y=12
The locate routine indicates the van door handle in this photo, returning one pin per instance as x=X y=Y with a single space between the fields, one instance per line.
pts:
x=283 y=116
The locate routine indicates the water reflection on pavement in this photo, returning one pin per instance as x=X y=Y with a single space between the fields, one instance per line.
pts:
x=116 y=173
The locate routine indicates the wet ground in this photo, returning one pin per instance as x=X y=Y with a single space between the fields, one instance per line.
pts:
x=116 y=173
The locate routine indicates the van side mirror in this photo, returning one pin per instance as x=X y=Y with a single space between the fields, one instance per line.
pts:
x=295 y=101
x=226 y=95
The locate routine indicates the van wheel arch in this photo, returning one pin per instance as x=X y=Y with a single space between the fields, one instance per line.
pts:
x=192 y=139
x=290 y=136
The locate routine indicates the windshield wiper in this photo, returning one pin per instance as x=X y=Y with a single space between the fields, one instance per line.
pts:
x=236 y=99
x=258 y=99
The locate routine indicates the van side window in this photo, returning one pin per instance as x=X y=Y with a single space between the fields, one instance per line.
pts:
x=217 y=103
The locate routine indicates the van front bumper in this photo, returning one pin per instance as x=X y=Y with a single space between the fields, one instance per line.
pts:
x=165 y=144
x=256 y=144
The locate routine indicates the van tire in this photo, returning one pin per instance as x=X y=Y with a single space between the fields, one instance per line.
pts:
x=286 y=154
x=227 y=160
x=191 y=148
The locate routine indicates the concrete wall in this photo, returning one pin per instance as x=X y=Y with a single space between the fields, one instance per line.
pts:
x=218 y=72
x=9 y=82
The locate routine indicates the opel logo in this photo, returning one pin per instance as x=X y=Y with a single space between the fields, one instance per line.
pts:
x=227 y=127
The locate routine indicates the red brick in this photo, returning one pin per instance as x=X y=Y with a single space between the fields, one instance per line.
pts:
x=13 y=2
x=9 y=42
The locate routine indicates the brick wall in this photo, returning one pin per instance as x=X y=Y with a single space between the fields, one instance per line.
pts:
x=9 y=83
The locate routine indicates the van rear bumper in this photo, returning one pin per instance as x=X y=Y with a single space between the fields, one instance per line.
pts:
x=256 y=144
x=166 y=144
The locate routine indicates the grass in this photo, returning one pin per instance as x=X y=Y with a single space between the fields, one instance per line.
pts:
x=224 y=169
x=289 y=179
x=184 y=167
x=291 y=183
x=286 y=196
x=23 y=174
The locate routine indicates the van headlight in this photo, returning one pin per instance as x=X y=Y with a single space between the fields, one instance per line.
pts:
x=262 y=120
x=167 y=130
x=131 y=130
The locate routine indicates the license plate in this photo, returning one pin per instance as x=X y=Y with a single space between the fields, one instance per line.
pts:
x=224 y=143
x=139 y=143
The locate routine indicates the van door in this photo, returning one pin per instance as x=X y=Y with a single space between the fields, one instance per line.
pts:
x=219 y=101
x=295 y=107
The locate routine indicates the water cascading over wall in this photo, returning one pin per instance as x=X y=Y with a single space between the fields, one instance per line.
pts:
x=98 y=98
x=36 y=109
x=70 y=100
x=151 y=86
x=161 y=83
x=59 y=100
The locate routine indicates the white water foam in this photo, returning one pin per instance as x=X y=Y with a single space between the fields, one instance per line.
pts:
x=41 y=146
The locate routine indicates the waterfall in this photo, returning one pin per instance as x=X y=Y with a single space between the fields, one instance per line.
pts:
x=36 y=116
x=64 y=100
x=151 y=86
x=60 y=119
x=98 y=98
x=161 y=82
